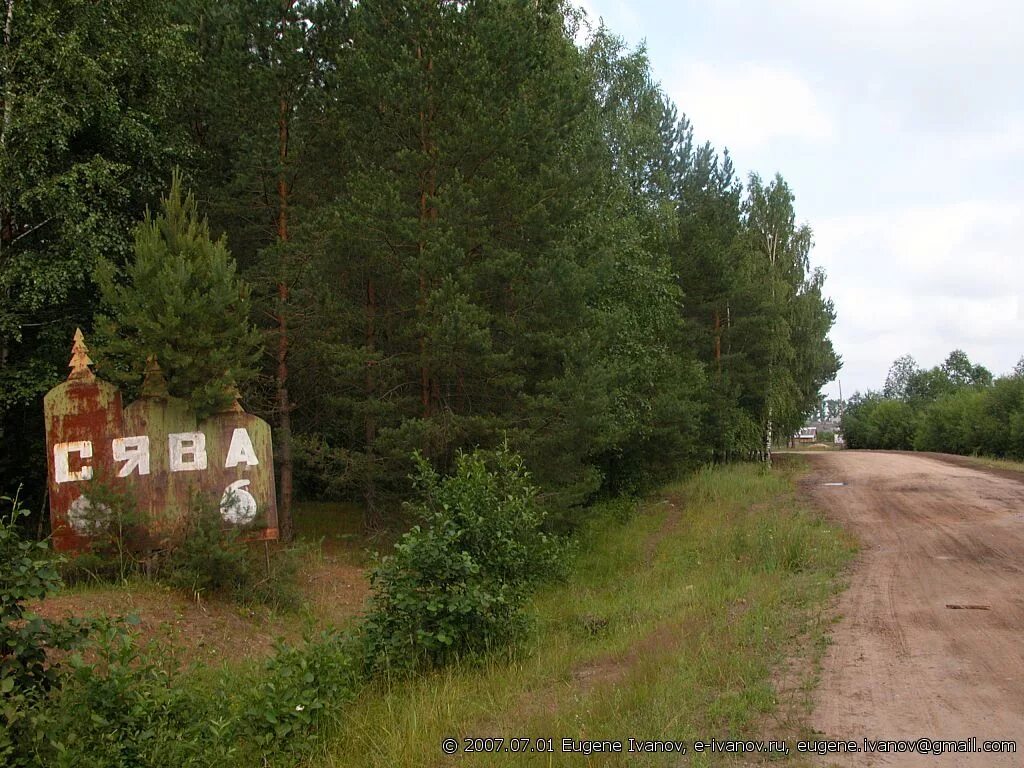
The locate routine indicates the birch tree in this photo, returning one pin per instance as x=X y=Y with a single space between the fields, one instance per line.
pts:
x=794 y=319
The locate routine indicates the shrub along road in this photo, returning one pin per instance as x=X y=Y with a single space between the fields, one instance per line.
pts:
x=929 y=642
x=674 y=624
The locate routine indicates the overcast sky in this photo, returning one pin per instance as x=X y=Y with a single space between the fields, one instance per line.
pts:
x=899 y=125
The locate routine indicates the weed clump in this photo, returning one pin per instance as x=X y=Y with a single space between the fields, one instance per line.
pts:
x=199 y=554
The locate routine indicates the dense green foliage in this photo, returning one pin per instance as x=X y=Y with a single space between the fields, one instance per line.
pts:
x=459 y=227
x=454 y=588
x=27 y=573
x=204 y=557
x=873 y=421
x=210 y=559
x=180 y=301
x=111 y=702
x=955 y=407
x=456 y=583
x=135 y=705
x=89 y=130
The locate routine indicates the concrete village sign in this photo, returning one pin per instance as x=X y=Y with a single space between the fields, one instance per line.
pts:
x=156 y=452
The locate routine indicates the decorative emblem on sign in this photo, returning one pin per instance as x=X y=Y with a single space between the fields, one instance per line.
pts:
x=237 y=505
x=156 y=451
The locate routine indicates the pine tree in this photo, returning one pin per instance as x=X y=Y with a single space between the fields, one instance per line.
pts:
x=453 y=278
x=179 y=298
x=258 y=90
x=706 y=256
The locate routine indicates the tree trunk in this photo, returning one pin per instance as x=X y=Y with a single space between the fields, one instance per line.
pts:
x=428 y=214
x=6 y=225
x=371 y=515
x=768 y=422
x=728 y=328
x=718 y=343
x=284 y=407
x=5 y=125
x=424 y=364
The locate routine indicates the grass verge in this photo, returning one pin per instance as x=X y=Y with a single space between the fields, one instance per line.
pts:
x=675 y=624
x=1006 y=464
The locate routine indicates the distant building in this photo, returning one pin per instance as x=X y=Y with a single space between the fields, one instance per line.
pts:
x=806 y=435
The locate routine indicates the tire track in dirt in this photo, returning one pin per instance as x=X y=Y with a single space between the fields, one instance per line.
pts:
x=903 y=665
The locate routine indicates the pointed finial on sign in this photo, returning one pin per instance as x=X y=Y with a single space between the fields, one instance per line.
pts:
x=231 y=391
x=80 y=361
x=153 y=382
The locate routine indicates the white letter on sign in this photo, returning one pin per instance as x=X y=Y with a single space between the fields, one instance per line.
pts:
x=62 y=469
x=241 y=450
x=190 y=444
x=134 y=451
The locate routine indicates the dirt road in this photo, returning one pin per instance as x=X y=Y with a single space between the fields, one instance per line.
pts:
x=904 y=662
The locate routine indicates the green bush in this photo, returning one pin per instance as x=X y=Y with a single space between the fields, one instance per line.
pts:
x=301 y=684
x=205 y=557
x=953 y=409
x=1015 y=436
x=127 y=705
x=27 y=572
x=1002 y=406
x=209 y=557
x=456 y=583
x=951 y=424
x=893 y=424
x=213 y=559
x=875 y=422
x=858 y=430
x=132 y=705
x=118 y=540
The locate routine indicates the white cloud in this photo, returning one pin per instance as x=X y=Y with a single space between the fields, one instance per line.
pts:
x=748 y=106
x=1001 y=142
x=904 y=24
x=900 y=126
x=934 y=65
x=925 y=281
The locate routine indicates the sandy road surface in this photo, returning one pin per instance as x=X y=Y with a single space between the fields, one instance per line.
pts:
x=902 y=664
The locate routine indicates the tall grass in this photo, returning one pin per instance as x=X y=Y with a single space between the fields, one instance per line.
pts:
x=991 y=463
x=671 y=625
